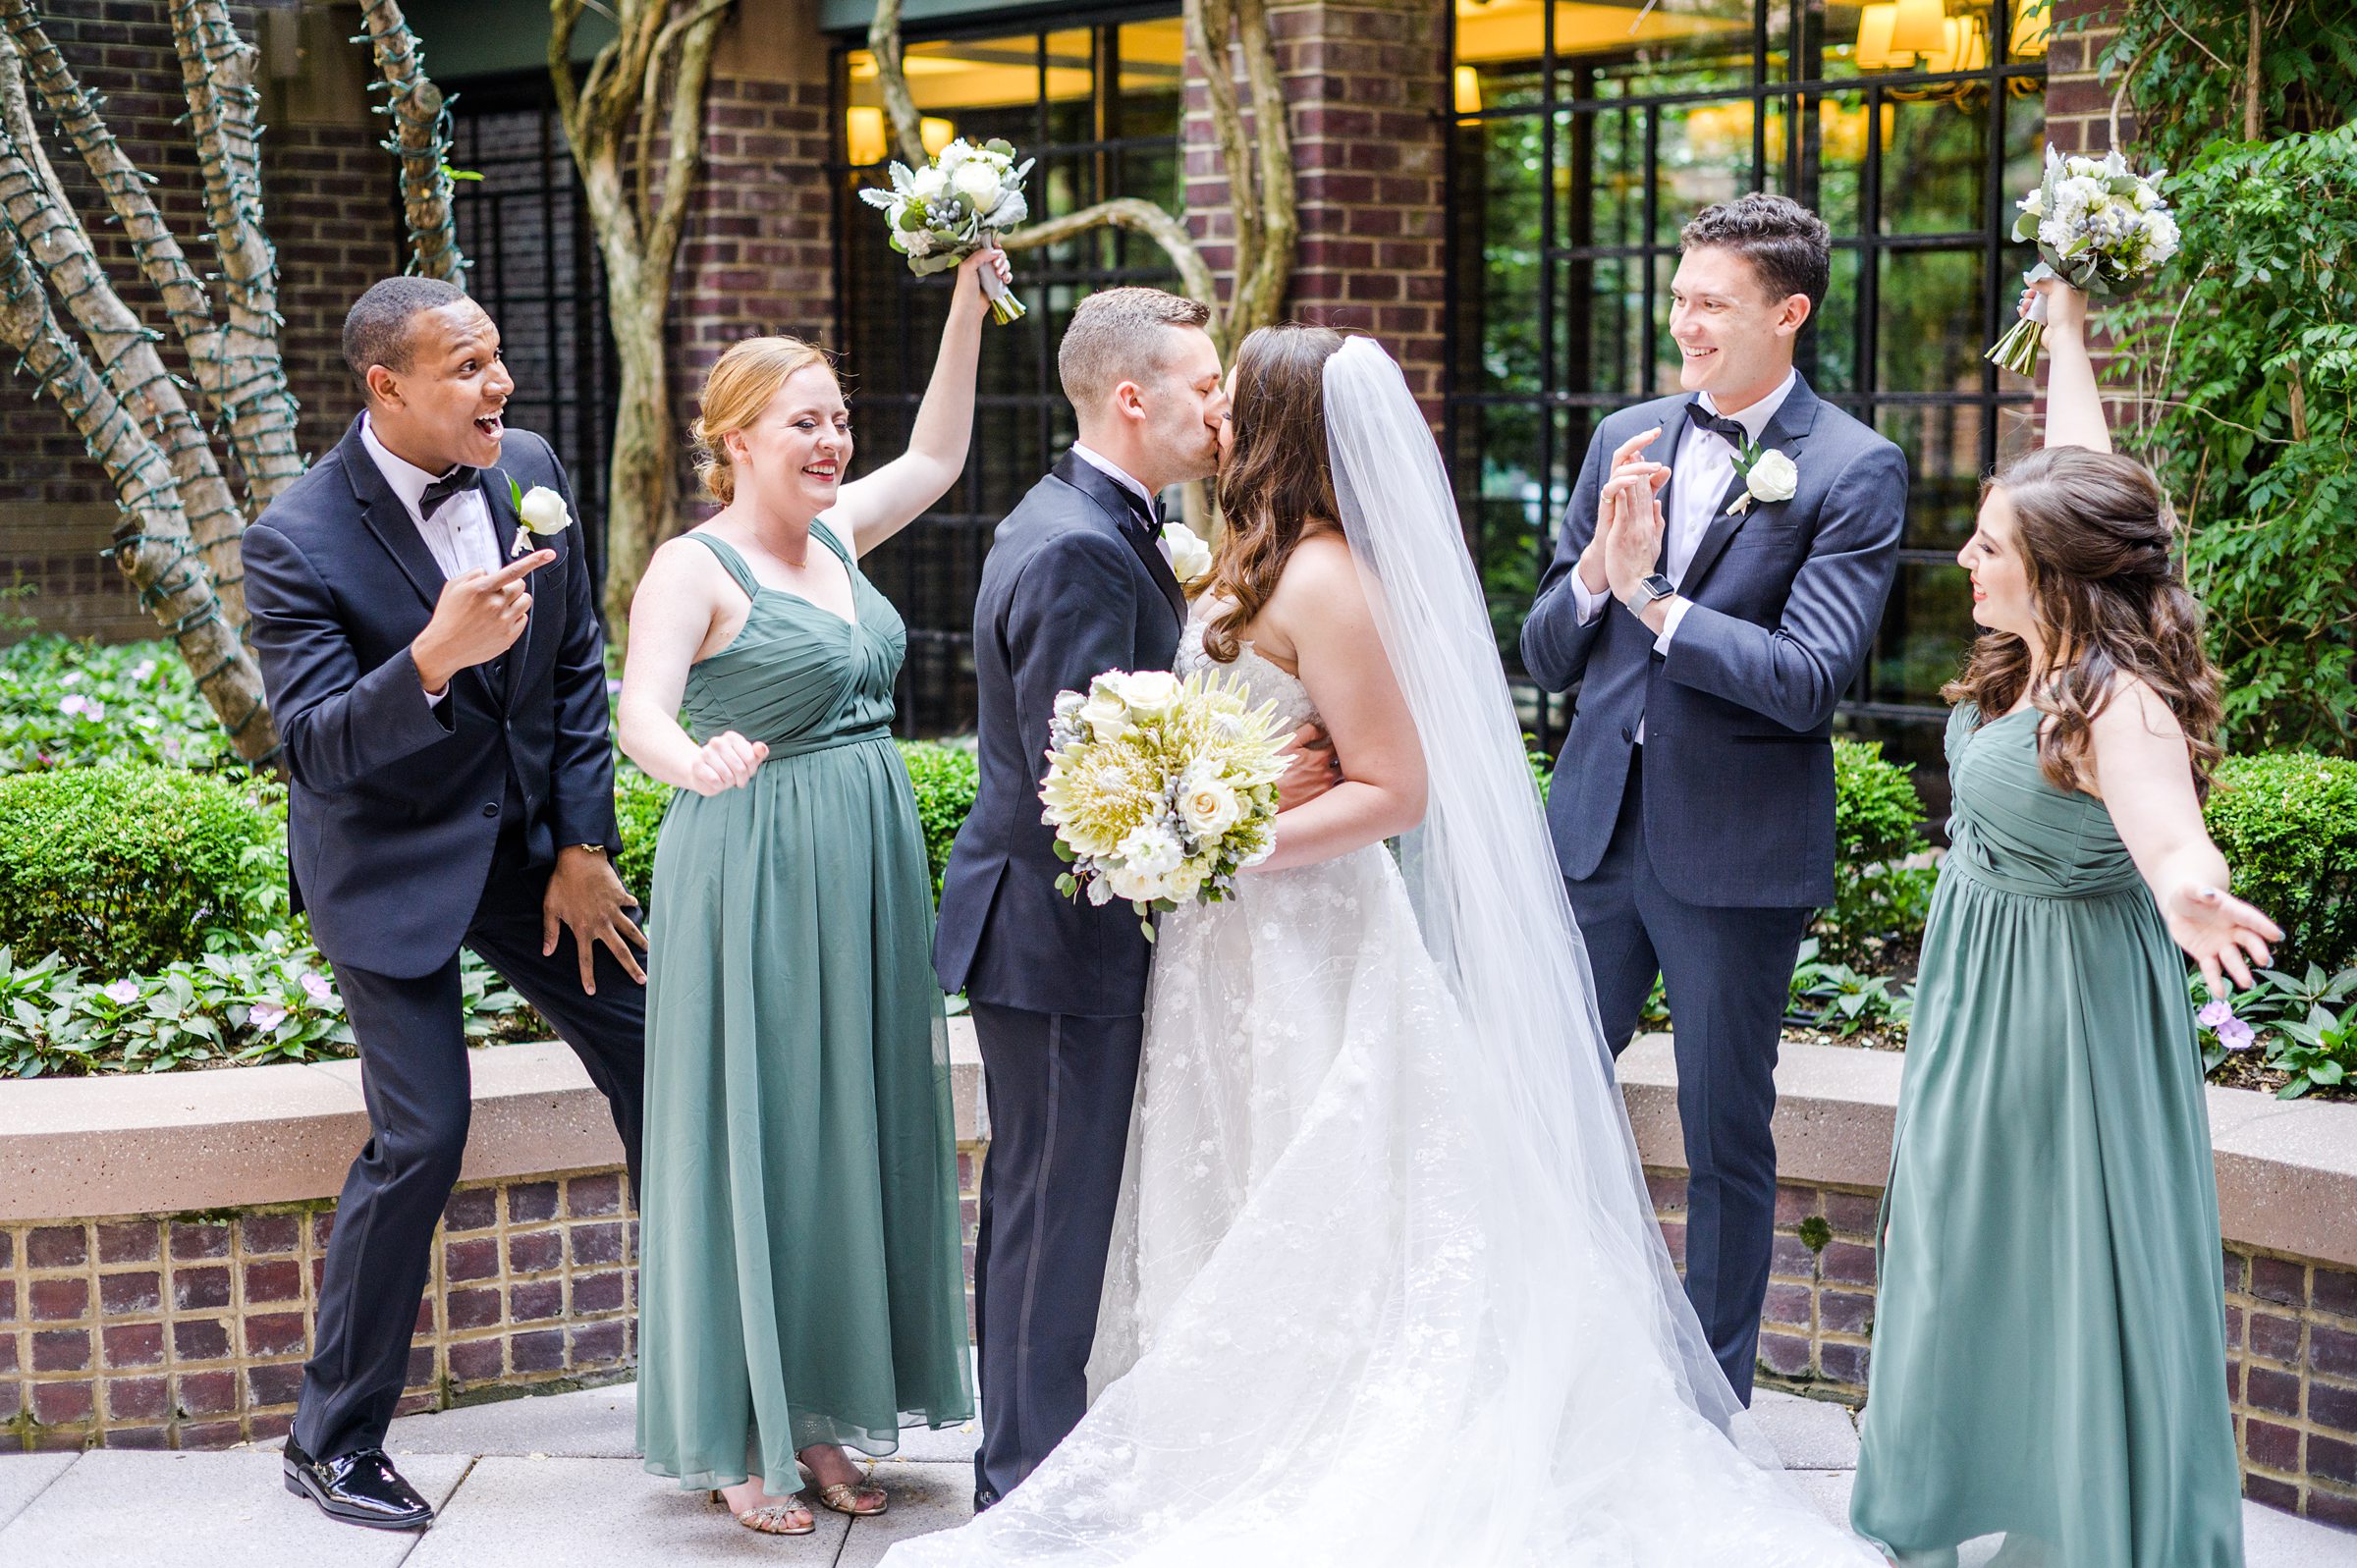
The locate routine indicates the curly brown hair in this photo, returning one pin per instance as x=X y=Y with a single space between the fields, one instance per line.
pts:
x=1276 y=485
x=2096 y=534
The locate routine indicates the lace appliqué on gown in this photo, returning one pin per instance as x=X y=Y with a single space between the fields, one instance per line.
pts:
x=1296 y=1362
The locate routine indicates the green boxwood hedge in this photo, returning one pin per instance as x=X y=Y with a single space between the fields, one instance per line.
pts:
x=2287 y=823
x=128 y=868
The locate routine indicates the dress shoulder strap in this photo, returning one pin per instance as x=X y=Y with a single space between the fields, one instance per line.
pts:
x=730 y=561
x=818 y=526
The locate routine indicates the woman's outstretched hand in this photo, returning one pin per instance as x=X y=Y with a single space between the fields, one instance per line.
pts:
x=2221 y=933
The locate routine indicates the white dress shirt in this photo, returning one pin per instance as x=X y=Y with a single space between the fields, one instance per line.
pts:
x=1705 y=465
x=458 y=533
x=1121 y=476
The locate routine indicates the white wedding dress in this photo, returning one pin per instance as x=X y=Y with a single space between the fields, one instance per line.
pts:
x=1385 y=1290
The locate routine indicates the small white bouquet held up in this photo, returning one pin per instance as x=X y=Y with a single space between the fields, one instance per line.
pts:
x=954 y=206
x=2098 y=226
x=1160 y=790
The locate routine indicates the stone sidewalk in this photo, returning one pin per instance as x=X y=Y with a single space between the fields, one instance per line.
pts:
x=531 y=1481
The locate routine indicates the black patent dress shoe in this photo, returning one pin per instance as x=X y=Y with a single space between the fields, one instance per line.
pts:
x=984 y=1497
x=359 y=1489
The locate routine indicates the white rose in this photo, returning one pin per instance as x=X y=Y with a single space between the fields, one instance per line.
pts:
x=1183 y=885
x=1106 y=715
x=544 y=511
x=1772 y=477
x=928 y=184
x=1151 y=848
x=1132 y=884
x=978 y=183
x=1208 y=805
x=1151 y=694
x=1190 y=557
x=1069 y=704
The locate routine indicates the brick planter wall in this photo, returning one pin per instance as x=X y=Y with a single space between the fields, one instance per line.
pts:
x=2291 y=1340
x=191 y=1331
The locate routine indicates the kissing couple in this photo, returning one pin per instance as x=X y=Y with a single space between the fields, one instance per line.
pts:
x=1313 y=1231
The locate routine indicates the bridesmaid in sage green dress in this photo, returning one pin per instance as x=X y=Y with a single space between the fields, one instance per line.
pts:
x=801 y=1286
x=2048 y=1357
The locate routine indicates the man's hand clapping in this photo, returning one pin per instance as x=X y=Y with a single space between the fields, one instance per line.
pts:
x=1596 y=570
x=479 y=617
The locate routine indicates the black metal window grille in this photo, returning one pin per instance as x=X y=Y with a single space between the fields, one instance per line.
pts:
x=1571 y=177
x=525 y=229
x=1102 y=122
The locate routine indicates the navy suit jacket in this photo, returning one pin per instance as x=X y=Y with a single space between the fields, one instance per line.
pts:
x=397 y=803
x=1738 y=717
x=1072 y=587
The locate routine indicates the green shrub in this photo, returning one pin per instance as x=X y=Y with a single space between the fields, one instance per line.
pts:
x=1878 y=900
x=72 y=704
x=947 y=778
x=2287 y=823
x=944 y=775
x=128 y=869
x=639 y=807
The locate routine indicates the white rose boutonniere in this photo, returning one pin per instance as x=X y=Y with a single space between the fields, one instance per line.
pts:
x=542 y=512
x=1768 y=475
x=1190 y=557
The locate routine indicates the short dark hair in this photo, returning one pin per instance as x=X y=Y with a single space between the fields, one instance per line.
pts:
x=376 y=330
x=1786 y=244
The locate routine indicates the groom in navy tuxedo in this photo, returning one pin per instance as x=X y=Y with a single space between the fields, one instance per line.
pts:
x=440 y=687
x=1710 y=635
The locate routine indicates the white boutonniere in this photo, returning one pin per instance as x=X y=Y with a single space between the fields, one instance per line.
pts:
x=1767 y=475
x=542 y=512
x=1190 y=557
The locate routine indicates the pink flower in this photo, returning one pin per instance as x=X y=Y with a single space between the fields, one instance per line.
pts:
x=123 y=993
x=78 y=704
x=316 y=987
x=2215 y=1015
x=143 y=670
x=2235 y=1035
x=266 y=1015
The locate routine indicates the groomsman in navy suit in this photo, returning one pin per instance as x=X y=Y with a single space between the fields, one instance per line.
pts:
x=439 y=682
x=1710 y=636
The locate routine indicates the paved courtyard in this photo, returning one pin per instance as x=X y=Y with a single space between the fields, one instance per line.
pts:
x=531 y=1481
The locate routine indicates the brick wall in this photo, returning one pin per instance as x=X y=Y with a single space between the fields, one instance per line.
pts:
x=1365 y=83
x=191 y=1331
x=329 y=196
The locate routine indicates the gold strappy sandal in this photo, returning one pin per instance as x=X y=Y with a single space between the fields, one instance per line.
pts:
x=771 y=1518
x=860 y=1502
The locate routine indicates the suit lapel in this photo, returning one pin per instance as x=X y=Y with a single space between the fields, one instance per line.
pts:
x=1663 y=450
x=1785 y=433
x=388 y=519
x=1101 y=487
x=503 y=523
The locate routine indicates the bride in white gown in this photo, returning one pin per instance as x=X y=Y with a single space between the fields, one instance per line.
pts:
x=1386 y=1285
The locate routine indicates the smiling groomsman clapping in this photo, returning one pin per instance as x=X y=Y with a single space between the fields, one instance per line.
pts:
x=1721 y=572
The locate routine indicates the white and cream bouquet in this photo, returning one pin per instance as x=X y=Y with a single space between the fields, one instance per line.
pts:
x=954 y=206
x=2098 y=226
x=1160 y=790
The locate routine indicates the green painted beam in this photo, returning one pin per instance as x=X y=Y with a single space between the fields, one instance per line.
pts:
x=468 y=39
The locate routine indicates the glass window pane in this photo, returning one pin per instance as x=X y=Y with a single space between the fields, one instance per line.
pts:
x=1637 y=50
x=1930 y=321
x=1926 y=631
x=1705 y=156
x=1829 y=351
x=1936 y=167
x=1944 y=446
x=1152 y=55
x=1071 y=79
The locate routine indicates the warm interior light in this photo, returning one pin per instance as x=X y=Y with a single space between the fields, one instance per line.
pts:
x=1873 y=36
x=1918 y=27
x=864 y=134
x=2033 y=19
x=936 y=133
x=1468 y=90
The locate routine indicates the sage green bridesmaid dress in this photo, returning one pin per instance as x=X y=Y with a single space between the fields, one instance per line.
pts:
x=2050 y=1327
x=799 y=1266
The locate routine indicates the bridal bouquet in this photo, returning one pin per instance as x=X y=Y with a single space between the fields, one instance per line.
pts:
x=953 y=207
x=2098 y=226
x=1160 y=790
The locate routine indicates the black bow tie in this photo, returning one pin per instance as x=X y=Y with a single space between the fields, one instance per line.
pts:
x=1720 y=425
x=458 y=480
x=1148 y=511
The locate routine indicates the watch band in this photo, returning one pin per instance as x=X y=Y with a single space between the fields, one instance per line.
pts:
x=1656 y=586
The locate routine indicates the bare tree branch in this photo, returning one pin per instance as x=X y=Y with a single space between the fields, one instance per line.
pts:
x=1195 y=280
x=891 y=76
x=1261 y=279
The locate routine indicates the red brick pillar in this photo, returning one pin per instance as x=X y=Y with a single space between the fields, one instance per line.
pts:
x=2078 y=119
x=1367 y=83
x=758 y=252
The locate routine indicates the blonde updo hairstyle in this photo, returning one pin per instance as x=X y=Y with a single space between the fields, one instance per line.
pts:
x=736 y=391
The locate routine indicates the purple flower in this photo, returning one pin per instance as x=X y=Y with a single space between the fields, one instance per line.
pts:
x=2215 y=1015
x=316 y=987
x=613 y=687
x=266 y=1015
x=143 y=670
x=123 y=993
x=2235 y=1035
x=71 y=678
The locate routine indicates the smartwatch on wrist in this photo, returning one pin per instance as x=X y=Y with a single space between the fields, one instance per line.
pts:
x=1646 y=592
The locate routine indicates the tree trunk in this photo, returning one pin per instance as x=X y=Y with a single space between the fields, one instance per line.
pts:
x=421 y=140
x=643 y=478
